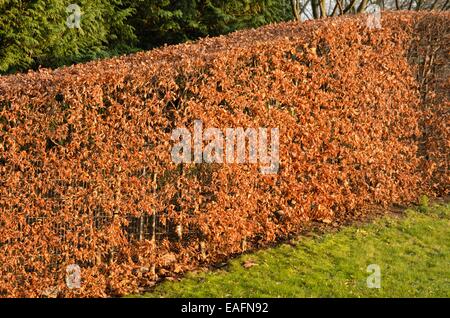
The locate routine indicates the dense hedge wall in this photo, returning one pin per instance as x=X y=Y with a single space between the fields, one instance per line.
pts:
x=86 y=175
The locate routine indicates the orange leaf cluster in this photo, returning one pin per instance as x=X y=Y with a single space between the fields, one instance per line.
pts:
x=86 y=175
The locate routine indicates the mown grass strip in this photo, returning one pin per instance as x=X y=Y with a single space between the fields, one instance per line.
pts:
x=413 y=253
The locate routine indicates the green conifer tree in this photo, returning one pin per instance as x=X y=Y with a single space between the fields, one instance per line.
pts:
x=35 y=33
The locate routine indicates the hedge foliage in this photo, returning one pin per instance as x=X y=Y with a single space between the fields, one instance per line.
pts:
x=86 y=175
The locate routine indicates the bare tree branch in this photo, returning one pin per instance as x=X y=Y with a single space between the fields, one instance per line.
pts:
x=323 y=8
x=434 y=4
x=304 y=7
x=362 y=6
x=296 y=9
x=419 y=4
x=350 y=6
x=315 y=9
x=333 y=13
x=341 y=9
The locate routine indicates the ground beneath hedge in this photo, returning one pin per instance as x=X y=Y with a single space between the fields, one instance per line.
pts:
x=412 y=250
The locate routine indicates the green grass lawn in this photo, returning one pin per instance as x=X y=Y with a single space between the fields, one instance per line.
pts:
x=412 y=251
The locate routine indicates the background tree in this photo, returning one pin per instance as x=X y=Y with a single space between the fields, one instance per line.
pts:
x=315 y=9
x=173 y=21
x=34 y=33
